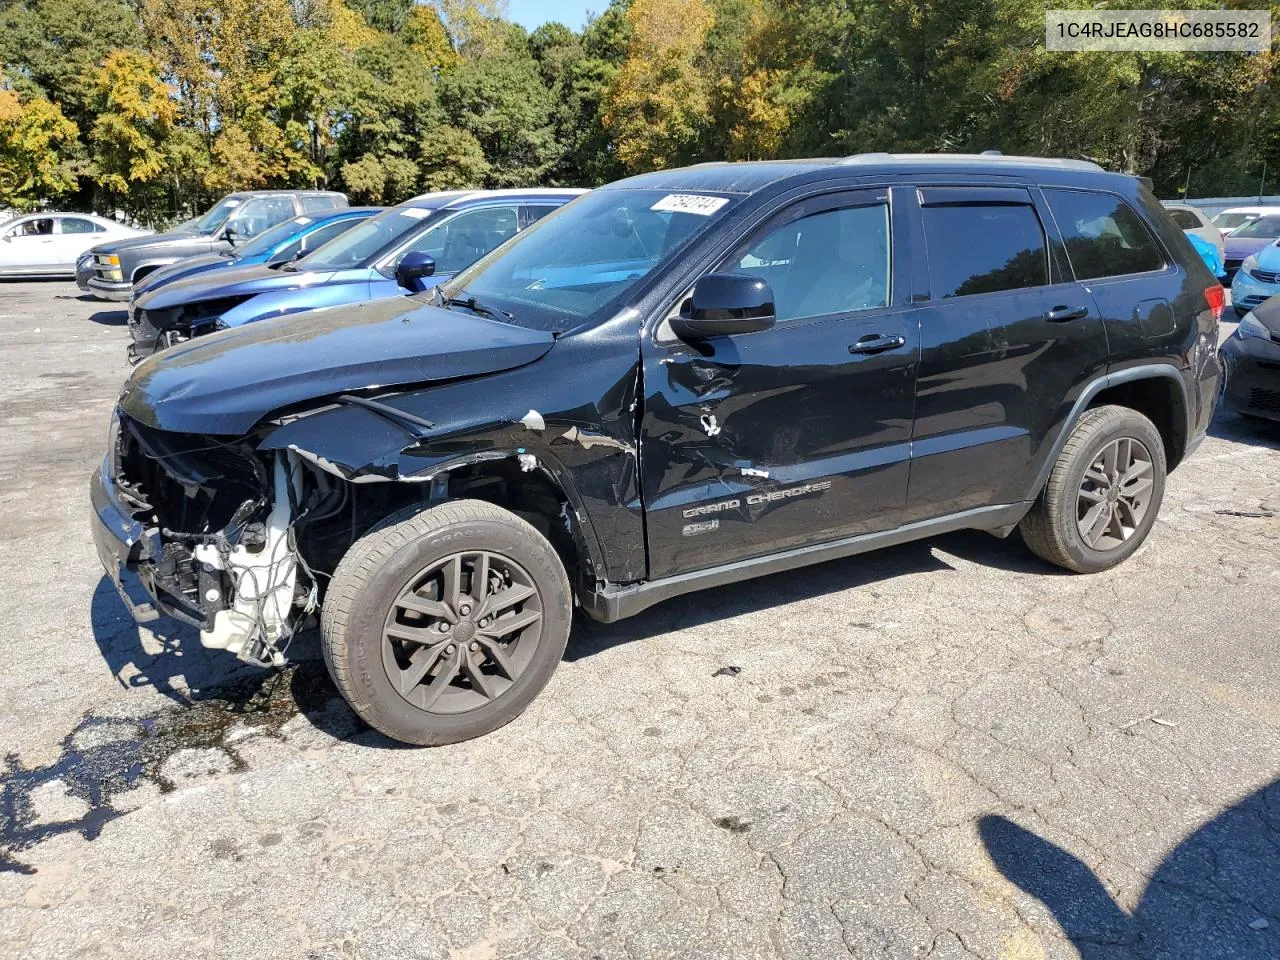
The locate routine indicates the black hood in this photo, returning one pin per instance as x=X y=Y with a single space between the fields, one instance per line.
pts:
x=225 y=383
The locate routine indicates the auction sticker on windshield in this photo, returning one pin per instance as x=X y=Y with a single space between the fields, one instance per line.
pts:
x=415 y=213
x=689 y=203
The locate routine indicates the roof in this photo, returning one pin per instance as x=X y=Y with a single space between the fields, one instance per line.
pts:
x=287 y=193
x=1259 y=208
x=450 y=198
x=749 y=177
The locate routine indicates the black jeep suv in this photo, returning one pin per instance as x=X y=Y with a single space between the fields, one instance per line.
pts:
x=677 y=381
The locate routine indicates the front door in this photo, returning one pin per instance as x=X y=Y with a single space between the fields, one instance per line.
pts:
x=797 y=434
x=29 y=246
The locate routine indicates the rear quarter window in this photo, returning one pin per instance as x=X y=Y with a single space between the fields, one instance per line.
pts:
x=1104 y=236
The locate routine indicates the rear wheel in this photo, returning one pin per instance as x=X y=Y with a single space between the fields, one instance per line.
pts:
x=1103 y=493
x=443 y=625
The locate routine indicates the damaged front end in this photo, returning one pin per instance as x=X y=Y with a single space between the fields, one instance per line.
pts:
x=154 y=330
x=208 y=525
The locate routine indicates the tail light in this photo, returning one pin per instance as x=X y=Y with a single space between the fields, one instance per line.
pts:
x=1216 y=297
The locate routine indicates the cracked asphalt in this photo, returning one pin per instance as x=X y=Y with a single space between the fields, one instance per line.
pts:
x=944 y=750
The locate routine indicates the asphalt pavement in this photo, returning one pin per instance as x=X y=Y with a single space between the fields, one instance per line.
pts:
x=946 y=749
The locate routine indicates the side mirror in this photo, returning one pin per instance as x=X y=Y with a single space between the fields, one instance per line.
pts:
x=229 y=235
x=724 y=304
x=414 y=265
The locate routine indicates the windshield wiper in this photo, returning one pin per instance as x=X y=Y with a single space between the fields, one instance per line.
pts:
x=475 y=306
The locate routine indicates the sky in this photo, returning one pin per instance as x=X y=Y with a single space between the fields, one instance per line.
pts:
x=534 y=13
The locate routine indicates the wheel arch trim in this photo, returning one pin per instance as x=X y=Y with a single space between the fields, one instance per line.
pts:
x=1146 y=371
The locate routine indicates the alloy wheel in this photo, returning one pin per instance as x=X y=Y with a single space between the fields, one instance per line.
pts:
x=462 y=631
x=1115 y=494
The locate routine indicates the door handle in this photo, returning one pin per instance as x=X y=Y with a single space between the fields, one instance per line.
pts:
x=1063 y=314
x=874 y=343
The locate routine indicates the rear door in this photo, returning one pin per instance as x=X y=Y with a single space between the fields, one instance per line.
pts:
x=1008 y=338
x=1111 y=249
x=74 y=236
x=797 y=434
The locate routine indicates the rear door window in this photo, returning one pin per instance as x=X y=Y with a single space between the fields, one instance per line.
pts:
x=983 y=248
x=79 y=225
x=1103 y=235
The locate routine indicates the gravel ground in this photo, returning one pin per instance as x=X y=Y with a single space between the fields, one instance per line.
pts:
x=946 y=749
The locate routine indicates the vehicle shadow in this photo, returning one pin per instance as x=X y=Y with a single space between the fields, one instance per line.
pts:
x=1216 y=896
x=752 y=596
x=110 y=318
x=182 y=670
x=1257 y=432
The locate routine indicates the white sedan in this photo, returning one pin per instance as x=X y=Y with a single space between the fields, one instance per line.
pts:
x=49 y=244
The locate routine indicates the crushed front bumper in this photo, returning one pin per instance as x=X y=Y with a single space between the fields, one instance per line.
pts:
x=128 y=548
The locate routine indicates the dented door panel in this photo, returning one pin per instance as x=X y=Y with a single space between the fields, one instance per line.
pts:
x=775 y=439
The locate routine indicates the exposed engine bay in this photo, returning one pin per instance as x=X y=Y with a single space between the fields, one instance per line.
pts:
x=241 y=542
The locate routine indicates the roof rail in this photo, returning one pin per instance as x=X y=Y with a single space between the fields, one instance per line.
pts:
x=987 y=156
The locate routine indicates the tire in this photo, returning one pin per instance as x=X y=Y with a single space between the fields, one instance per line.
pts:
x=374 y=646
x=1058 y=526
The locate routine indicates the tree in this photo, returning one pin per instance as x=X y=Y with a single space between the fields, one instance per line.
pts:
x=658 y=105
x=503 y=104
x=36 y=142
x=53 y=48
x=135 y=116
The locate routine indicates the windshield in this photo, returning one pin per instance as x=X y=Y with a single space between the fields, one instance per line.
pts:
x=268 y=240
x=1263 y=227
x=361 y=243
x=1229 y=221
x=215 y=218
x=584 y=258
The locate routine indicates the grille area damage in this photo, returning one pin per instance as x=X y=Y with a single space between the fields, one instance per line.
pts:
x=220 y=548
x=157 y=329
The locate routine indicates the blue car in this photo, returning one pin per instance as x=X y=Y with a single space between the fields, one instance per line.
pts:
x=436 y=235
x=1258 y=279
x=284 y=242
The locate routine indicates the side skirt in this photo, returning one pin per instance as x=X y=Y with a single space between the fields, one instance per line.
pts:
x=618 y=601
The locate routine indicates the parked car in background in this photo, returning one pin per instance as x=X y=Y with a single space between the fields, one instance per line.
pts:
x=284 y=242
x=1234 y=217
x=1257 y=280
x=234 y=218
x=50 y=244
x=681 y=380
x=1248 y=239
x=1194 y=223
x=1251 y=363
x=1209 y=253
x=407 y=248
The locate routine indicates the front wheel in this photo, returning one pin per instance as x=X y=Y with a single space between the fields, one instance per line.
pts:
x=444 y=625
x=1103 y=493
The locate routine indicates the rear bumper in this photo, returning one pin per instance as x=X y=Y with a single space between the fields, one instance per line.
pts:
x=1252 y=376
x=109 y=289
